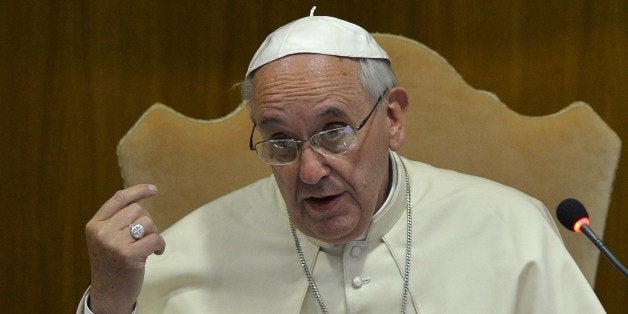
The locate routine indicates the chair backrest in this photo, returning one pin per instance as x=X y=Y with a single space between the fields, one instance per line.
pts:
x=572 y=153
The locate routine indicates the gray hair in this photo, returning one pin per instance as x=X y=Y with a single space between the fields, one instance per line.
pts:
x=376 y=75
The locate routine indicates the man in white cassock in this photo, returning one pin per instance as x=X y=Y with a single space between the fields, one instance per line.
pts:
x=345 y=224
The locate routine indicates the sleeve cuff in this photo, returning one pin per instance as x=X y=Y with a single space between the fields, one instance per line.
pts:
x=85 y=305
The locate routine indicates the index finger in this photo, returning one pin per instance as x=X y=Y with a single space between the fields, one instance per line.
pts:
x=123 y=198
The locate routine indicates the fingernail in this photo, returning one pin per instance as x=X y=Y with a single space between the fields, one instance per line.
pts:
x=152 y=188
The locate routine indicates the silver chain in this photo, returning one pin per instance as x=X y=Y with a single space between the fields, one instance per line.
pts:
x=406 y=272
x=310 y=279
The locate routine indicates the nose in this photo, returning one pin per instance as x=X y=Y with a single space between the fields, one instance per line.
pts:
x=312 y=167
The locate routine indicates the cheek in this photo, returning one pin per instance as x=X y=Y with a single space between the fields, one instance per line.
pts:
x=286 y=181
x=369 y=172
x=369 y=162
x=359 y=176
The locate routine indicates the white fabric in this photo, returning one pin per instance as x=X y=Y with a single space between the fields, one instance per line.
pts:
x=317 y=34
x=479 y=247
x=84 y=305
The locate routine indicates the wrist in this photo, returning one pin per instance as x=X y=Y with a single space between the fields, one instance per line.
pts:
x=105 y=303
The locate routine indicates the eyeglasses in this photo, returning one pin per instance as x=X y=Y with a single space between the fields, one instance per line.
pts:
x=329 y=142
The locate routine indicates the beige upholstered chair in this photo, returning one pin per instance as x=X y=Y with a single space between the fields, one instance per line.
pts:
x=569 y=154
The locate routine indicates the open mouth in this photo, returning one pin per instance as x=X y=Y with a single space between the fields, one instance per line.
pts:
x=322 y=200
x=322 y=203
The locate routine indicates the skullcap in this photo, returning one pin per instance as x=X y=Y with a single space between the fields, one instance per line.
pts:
x=320 y=35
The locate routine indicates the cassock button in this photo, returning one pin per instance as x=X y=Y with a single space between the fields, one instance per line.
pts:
x=357 y=282
x=355 y=251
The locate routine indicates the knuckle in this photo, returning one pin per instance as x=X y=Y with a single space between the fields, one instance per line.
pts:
x=152 y=229
x=157 y=243
x=162 y=243
x=101 y=234
x=148 y=221
x=141 y=210
x=93 y=230
x=136 y=213
x=89 y=227
x=119 y=196
x=135 y=210
x=97 y=238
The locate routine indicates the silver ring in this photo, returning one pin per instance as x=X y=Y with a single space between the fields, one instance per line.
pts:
x=137 y=231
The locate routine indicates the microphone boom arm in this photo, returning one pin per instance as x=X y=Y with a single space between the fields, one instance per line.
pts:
x=600 y=245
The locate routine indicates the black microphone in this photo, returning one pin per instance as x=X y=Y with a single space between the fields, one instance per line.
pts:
x=572 y=214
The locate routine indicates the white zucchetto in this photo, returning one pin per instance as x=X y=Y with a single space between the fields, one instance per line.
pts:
x=320 y=35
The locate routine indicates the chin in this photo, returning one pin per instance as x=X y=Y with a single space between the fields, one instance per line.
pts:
x=336 y=234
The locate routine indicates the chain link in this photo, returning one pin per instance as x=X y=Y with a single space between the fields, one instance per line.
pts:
x=406 y=272
x=310 y=279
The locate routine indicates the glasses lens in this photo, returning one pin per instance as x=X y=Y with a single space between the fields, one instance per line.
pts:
x=277 y=152
x=334 y=141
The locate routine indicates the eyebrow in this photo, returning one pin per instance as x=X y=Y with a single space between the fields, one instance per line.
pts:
x=332 y=113
x=325 y=114
x=269 y=121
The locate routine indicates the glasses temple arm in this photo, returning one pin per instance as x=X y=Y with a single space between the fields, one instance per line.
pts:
x=251 y=146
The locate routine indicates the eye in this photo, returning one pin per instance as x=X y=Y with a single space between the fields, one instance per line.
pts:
x=282 y=143
x=281 y=150
x=334 y=126
x=336 y=140
x=333 y=134
x=278 y=137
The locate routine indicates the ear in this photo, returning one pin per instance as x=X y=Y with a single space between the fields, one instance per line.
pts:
x=397 y=108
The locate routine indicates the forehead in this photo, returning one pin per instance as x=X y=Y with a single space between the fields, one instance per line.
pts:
x=306 y=83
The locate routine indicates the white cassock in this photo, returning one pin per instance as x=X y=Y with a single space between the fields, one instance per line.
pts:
x=477 y=247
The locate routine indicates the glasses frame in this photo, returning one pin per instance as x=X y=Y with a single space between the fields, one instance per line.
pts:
x=300 y=143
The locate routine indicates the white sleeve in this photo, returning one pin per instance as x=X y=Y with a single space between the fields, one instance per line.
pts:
x=83 y=307
x=86 y=309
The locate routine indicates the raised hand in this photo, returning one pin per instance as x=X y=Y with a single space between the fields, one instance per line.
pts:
x=117 y=258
